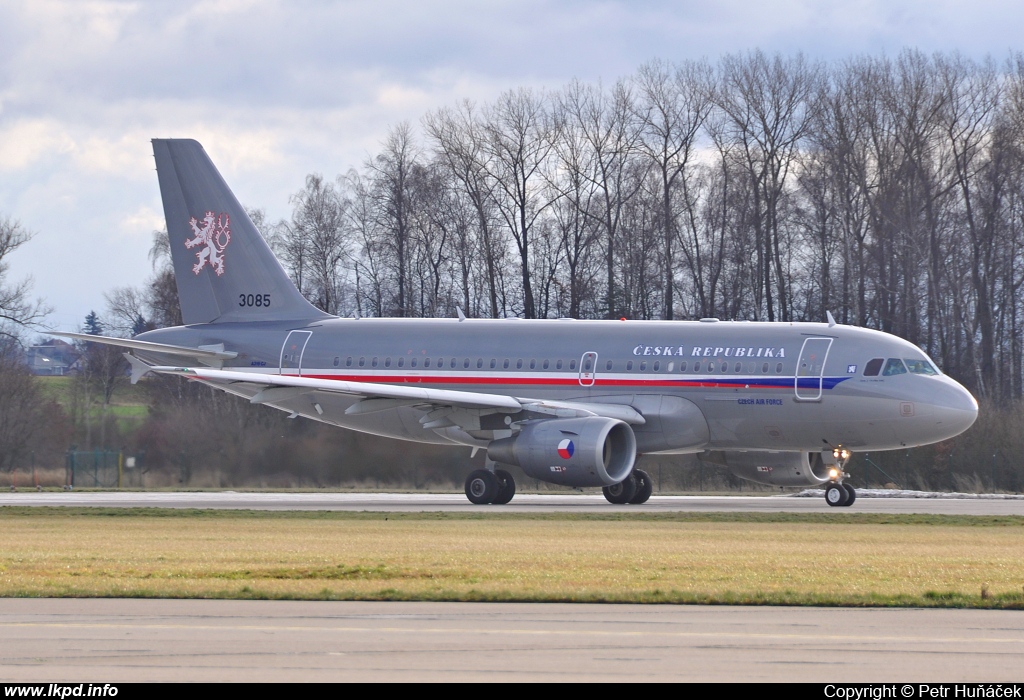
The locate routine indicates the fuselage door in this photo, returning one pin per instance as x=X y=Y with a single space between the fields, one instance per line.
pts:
x=810 y=367
x=588 y=368
x=291 y=352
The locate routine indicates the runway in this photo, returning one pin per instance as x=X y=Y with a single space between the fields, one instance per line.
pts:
x=104 y=640
x=523 y=503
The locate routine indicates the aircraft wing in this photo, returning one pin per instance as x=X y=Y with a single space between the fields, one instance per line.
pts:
x=449 y=405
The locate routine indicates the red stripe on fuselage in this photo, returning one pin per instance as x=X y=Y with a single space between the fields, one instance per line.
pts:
x=548 y=381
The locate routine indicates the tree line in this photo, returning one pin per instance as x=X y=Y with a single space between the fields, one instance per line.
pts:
x=887 y=190
x=763 y=187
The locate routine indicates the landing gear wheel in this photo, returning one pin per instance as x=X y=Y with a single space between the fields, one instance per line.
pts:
x=644 y=487
x=836 y=495
x=482 y=486
x=507 y=487
x=851 y=495
x=622 y=492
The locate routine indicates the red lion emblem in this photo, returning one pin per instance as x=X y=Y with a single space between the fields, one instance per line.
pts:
x=214 y=235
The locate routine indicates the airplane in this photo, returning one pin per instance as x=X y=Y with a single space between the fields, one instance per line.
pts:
x=570 y=402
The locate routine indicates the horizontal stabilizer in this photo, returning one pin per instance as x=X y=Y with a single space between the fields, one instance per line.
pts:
x=205 y=355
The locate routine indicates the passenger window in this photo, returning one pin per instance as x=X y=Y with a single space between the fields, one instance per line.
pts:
x=519 y=364
x=643 y=365
x=337 y=361
x=505 y=365
x=440 y=363
x=608 y=366
x=778 y=368
x=711 y=366
x=373 y=362
x=558 y=365
x=348 y=361
x=696 y=366
x=401 y=362
x=629 y=366
x=455 y=362
x=873 y=367
x=362 y=361
x=533 y=364
x=547 y=363
x=764 y=368
x=736 y=368
x=494 y=363
x=412 y=363
x=572 y=364
x=893 y=366
x=480 y=363
x=426 y=362
x=657 y=365
x=387 y=361
x=920 y=367
x=671 y=366
x=682 y=366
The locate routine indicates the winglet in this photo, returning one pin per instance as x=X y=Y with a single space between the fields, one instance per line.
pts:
x=139 y=368
x=831 y=320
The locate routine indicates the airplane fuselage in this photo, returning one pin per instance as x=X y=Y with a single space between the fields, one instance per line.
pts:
x=701 y=385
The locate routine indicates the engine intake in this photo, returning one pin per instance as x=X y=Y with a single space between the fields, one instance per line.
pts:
x=591 y=451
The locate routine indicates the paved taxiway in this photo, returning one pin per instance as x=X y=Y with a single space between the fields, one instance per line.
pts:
x=131 y=640
x=205 y=640
x=523 y=503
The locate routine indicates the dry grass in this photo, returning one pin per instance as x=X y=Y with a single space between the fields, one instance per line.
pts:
x=514 y=557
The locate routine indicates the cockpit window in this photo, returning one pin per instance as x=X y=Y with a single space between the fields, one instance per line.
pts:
x=893 y=366
x=921 y=367
x=873 y=367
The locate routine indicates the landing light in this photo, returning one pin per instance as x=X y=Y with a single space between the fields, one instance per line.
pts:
x=833 y=473
x=840 y=453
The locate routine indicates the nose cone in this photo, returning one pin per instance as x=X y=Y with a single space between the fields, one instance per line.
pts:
x=954 y=409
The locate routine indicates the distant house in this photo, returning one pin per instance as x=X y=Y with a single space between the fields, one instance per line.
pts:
x=54 y=358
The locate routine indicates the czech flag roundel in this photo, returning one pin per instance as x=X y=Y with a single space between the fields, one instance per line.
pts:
x=566 y=448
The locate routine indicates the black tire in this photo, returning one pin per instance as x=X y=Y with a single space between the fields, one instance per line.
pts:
x=507 y=488
x=835 y=495
x=644 y=487
x=620 y=493
x=481 y=487
x=851 y=495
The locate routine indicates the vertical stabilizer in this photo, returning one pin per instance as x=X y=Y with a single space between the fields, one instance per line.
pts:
x=224 y=269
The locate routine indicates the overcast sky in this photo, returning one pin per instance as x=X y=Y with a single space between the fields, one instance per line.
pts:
x=276 y=90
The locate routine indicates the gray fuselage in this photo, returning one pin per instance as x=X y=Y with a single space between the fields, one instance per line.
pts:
x=706 y=385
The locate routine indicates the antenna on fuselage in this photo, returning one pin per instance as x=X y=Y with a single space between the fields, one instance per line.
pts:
x=462 y=316
x=831 y=320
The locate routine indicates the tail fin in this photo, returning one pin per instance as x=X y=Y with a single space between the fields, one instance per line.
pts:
x=224 y=269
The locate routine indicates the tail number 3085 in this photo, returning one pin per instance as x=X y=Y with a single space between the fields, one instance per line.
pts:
x=254 y=300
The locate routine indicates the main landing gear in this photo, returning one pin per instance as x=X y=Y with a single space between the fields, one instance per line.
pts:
x=837 y=493
x=635 y=488
x=484 y=486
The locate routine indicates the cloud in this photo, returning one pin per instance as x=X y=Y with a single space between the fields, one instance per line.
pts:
x=275 y=90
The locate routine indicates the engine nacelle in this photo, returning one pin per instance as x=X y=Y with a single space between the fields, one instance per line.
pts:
x=591 y=451
x=773 y=468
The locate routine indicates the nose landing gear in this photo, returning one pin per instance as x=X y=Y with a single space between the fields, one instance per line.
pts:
x=838 y=493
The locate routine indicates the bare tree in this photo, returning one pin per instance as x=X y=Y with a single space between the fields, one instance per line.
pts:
x=519 y=138
x=674 y=103
x=768 y=112
x=17 y=309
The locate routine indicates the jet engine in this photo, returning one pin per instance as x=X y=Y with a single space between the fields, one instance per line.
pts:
x=773 y=468
x=591 y=451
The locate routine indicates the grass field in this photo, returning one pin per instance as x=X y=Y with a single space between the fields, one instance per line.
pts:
x=848 y=559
